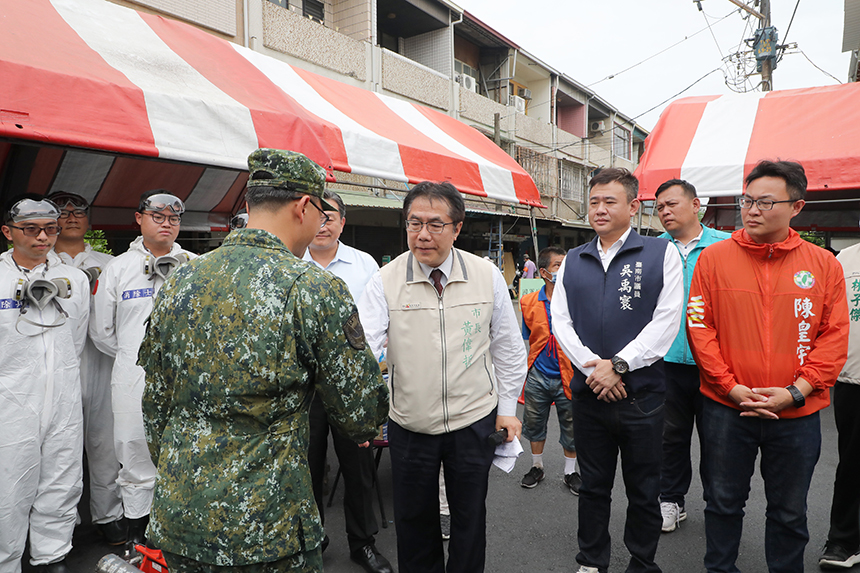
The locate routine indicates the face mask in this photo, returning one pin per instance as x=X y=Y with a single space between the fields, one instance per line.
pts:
x=162 y=266
x=40 y=293
x=554 y=276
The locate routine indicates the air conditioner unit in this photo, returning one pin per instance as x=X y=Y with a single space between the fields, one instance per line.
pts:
x=598 y=126
x=525 y=93
x=518 y=103
x=467 y=82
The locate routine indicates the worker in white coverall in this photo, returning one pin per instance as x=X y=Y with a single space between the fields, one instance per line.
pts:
x=122 y=304
x=105 y=499
x=44 y=308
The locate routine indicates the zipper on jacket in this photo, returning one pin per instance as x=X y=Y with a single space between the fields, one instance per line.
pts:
x=444 y=362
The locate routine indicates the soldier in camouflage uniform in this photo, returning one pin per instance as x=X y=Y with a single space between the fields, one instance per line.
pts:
x=238 y=342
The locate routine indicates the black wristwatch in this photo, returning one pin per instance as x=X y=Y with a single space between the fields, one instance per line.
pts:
x=620 y=365
x=797 y=395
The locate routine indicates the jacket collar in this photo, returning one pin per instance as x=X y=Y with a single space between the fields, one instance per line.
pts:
x=767 y=250
x=415 y=274
x=634 y=241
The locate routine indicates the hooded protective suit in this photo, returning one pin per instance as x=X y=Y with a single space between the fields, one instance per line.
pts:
x=105 y=498
x=41 y=426
x=121 y=306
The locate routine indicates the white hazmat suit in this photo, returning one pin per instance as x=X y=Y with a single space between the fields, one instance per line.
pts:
x=105 y=498
x=122 y=303
x=41 y=426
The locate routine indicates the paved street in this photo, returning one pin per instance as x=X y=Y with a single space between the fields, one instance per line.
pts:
x=534 y=530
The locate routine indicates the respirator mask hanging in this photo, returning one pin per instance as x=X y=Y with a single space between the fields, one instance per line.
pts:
x=38 y=294
x=162 y=266
x=93 y=274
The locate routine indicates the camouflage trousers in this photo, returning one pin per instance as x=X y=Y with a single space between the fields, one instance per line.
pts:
x=308 y=562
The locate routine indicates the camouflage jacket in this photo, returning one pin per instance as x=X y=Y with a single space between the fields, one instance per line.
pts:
x=238 y=341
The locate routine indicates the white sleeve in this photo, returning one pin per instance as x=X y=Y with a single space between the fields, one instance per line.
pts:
x=507 y=348
x=82 y=318
x=103 y=313
x=373 y=313
x=562 y=326
x=654 y=341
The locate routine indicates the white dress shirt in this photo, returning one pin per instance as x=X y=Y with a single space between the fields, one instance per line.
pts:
x=653 y=342
x=506 y=343
x=353 y=266
x=686 y=249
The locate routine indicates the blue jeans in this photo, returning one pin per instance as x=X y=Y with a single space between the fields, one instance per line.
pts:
x=789 y=452
x=683 y=409
x=635 y=427
x=540 y=393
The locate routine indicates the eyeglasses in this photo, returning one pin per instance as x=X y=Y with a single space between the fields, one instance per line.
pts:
x=159 y=218
x=35 y=230
x=76 y=213
x=324 y=218
x=434 y=227
x=762 y=204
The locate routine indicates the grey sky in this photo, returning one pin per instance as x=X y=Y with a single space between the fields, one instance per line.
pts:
x=589 y=40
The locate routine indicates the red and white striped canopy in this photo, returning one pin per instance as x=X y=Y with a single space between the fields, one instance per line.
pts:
x=714 y=141
x=94 y=75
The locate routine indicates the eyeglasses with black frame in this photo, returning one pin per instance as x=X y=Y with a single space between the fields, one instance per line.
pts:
x=433 y=227
x=762 y=204
x=76 y=213
x=159 y=218
x=324 y=218
x=36 y=230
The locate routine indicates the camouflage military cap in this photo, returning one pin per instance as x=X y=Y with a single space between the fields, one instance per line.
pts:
x=289 y=170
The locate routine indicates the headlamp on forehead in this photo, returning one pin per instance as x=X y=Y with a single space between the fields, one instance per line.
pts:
x=162 y=201
x=30 y=209
x=64 y=199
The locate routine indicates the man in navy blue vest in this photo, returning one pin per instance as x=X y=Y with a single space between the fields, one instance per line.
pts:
x=616 y=310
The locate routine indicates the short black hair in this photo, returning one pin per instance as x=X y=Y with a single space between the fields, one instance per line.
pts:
x=619 y=174
x=545 y=256
x=141 y=206
x=268 y=198
x=789 y=171
x=688 y=188
x=330 y=196
x=443 y=191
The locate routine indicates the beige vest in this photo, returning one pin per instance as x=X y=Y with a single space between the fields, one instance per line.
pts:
x=439 y=365
x=850 y=260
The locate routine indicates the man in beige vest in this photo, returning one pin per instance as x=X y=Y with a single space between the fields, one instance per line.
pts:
x=456 y=366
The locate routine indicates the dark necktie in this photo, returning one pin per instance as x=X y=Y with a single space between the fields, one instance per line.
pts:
x=436 y=276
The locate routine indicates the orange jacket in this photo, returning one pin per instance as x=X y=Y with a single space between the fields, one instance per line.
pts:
x=763 y=315
x=534 y=315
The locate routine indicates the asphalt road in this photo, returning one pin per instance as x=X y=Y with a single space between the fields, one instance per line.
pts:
x=535 y=530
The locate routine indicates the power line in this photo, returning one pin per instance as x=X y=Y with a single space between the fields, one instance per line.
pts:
x=818 y=68
x=611 y=76
x=714 y=36
x=677 y=94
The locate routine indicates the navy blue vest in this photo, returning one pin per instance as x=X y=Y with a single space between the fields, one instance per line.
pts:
x=611 y=308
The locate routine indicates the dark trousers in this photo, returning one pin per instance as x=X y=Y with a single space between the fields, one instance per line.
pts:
x=845 y=511
x=415 y=460
x=683 y=409
x=789 y=451
x=633 y=426
x=357 y=467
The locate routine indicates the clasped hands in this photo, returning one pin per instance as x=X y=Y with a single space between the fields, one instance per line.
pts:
x=604 y=381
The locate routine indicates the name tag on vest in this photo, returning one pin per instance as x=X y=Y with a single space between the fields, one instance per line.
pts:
x=410 y=306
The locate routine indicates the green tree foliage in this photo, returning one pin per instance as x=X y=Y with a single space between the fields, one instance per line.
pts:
x=98 y=241
x=813 y=237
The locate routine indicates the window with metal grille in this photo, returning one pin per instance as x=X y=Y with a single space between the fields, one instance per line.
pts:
x=621 y=142
x=572 y=182
x=314 y=9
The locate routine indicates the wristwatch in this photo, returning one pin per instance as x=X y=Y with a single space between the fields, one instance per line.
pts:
x=620 y=365
x=797 y=395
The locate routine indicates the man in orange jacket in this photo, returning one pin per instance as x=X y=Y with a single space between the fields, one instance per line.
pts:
x=549 y=377
x=767 y=322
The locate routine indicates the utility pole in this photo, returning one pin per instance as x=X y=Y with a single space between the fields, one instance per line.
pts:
x=768 y=63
